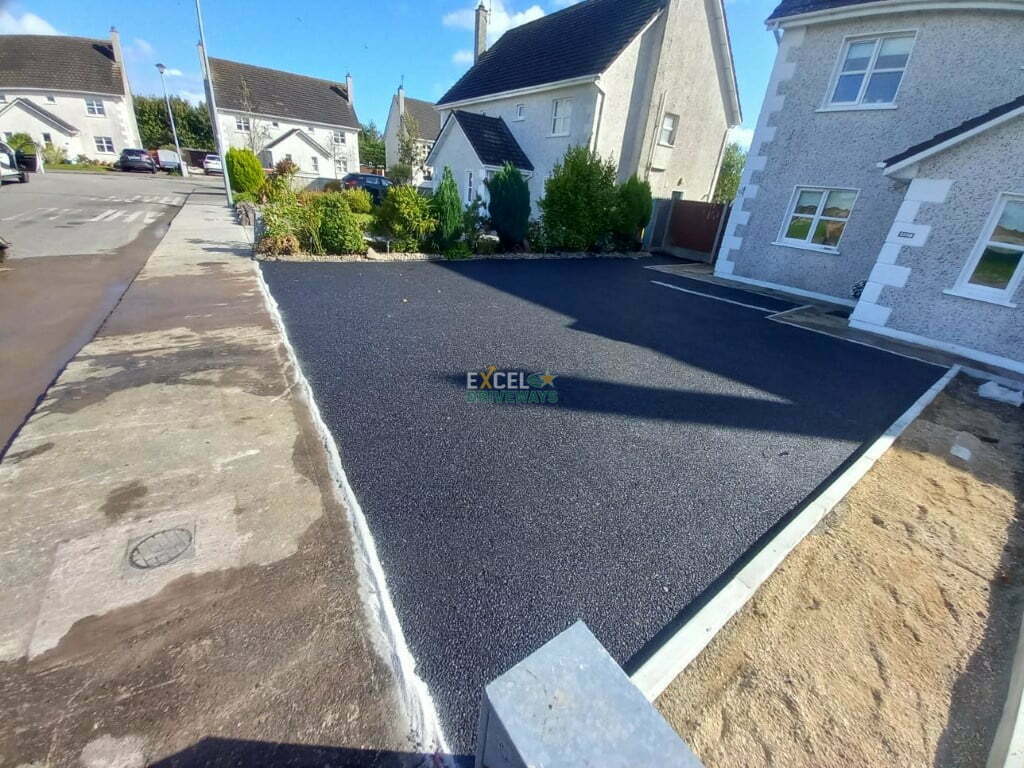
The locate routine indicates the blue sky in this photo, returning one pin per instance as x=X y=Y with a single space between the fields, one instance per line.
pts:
x=378 y=41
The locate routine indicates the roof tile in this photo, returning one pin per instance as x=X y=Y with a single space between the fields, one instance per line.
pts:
x=59 y=63
x=492 y=140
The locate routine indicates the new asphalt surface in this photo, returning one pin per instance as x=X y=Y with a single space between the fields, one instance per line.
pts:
x=685 y=428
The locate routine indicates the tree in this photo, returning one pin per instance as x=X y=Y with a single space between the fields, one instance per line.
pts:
x=733 y=160
x=192 y=121
x=371 y=146
x=579 y=201
x=446 y=206
x=509 y=205
x=633 y=208
x=412 y=150
x=245 y=171
x=258 y=133
x=22 y=142
x=400 y=173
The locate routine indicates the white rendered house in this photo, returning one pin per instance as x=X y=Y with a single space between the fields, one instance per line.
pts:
x=427 y=124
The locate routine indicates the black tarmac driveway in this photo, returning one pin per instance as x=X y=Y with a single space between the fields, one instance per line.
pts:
x=685 y=428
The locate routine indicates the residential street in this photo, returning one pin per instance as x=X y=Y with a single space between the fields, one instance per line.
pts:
x=685 y=428
x=78 y=241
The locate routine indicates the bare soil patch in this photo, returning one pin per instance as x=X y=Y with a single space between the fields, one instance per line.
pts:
x=887 y=636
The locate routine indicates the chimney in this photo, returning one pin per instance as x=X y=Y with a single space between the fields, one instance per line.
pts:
x=349 y=88
x=401 y=101
x=480 y=40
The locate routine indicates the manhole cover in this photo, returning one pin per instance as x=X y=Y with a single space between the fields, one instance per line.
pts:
x=160 y=548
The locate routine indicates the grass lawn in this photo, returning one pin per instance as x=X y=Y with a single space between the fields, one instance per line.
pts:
x=82 y=167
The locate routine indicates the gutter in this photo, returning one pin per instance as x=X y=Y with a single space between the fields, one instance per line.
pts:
x=725 y=63
x=583 y=80
x=889 y=7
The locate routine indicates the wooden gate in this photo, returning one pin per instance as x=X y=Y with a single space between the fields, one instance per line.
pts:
x=695 y=226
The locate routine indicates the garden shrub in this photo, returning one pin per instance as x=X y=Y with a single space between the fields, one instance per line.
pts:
x=473 y=224
x=333 y=186
x=509 y=206
x=286 y=168
x=280 y=218
x=579 y=201
x=54 y=155
x=633 y=208
x=245 y=171
x=279 y=245
x=22 y=142
x=457 y=252
x=404 y=216
x=340 y=232
x=400 y=173
x=359 y=200
x=446 y=207
x=536 y=240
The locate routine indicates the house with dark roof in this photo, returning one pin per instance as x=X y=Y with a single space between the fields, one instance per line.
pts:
x=280 y=115
x=646 y=83
x=71 y=93
x=422 y=122
x=886 y=172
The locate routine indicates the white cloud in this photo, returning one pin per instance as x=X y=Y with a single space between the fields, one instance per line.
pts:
x=26 y=24
x=563 y=3
x=171 y=72
x=463 y=56
x=144 y=46
x=742 y=136
x=191 y=96
x=501 y=20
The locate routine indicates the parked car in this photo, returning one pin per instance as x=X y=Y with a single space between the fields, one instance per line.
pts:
x=168 y=160
x=10 y=169
x=377 y=186
x=212 y=164
x=135 y=160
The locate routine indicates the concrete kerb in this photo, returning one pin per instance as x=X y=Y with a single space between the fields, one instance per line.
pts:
x=415 y=695
x=686 y=643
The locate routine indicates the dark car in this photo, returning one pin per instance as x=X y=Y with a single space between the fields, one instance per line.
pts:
x=377 y=186
x=135 y=160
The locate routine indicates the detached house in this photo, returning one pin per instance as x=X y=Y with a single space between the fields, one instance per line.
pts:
x=648 y=83
x=280 y=116
x=70 y=93
x=887 y=170
x=423 y=122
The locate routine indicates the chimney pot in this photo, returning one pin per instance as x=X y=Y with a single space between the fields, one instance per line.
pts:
x=480 y=39
x=350 y=89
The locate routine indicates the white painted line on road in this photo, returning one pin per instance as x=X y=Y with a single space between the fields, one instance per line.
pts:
x=676 y=654
x=418 y=703
x=151 y=216
x=15 y=216
x=132 y=217
x=115 y=215
x=100 y=216
x=710 y=296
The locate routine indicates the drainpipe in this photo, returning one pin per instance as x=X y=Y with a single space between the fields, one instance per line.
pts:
x=599 y=115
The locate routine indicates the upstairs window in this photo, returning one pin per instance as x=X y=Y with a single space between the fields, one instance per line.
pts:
x=817 y=218
x=561 y=117
x=669 y=126
x=520 y=112
x=52 y=100
x=339 y=137
x=242 y=124
x=996 y=267
x=47 y=140
x=3 y=99
x=92 y=106
x=870 y=70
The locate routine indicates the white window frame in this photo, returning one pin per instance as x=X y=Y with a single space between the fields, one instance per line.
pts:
x=51 y=99
x=968 y=290
x=673 y=133
x=315 y=163
x=556 y=116
x=243 y=124
x=102 y=142
x=94 y=107
x=340 y=138
x=837 y=70
x=520 y=113
x=807 y=245
x=469 y=186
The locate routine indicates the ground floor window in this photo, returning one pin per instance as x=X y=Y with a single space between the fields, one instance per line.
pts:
x=470 y=192
x=316 y=164
x=47 y=140
x=817 y=217
x=996 y=266
x=104 y=144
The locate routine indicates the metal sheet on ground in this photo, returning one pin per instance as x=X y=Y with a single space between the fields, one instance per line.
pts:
x=684 y=429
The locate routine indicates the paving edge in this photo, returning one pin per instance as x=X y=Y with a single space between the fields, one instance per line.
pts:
x=679 y=650
x=415 y=695
x=1008 y=744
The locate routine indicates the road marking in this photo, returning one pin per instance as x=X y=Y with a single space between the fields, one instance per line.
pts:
x=133 y=198
x=151 y=216
x=132 y=217
x=716 y=298
x=102 y=215
x=15 y=216
x=115 y=215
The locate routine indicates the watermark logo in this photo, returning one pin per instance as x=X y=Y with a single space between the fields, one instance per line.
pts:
x=512 y=387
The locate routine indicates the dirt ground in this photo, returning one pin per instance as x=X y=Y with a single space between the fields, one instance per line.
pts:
x=887 y=636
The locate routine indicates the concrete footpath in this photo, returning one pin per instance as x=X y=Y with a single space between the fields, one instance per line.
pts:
x=177 y=580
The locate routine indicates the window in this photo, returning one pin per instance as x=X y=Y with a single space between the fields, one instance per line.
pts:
x=469 y=187
x=817 y=218
x=344 y=165
x=52 y=100
x=315 y=163
x=3 y=99
x=104 y=144
x=996 y=267
x=47 y=140
x=339 y=137
x=520 y=112
x=669 y=124
x=309 y=128
x=871 y=70
x=92 y=106
x=274 y=123
x=561 y=117
x=242 y=124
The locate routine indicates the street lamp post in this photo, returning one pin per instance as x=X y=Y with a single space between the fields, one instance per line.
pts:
x=174 y=130
x=212 y=105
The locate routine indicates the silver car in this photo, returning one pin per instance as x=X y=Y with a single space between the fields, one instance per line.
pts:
x=212 y=164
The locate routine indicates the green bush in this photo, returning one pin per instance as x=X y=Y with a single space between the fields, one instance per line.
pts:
x=279 y=245
x=536 y=240
x=404 y=216
x=286 y=168
x=333 y=186
x=579 y=201
x=633 y=208
x=340 y=232
x=457 y=252
x=400 y=173
x=359 y=200
x=54 y=156
x=509 y=206
x=280 y=218
x=473 y=224
x=446 y=207
x=22 y=142
x=245 y=171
